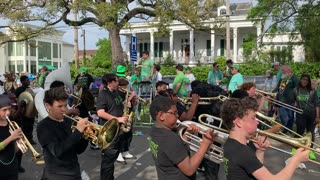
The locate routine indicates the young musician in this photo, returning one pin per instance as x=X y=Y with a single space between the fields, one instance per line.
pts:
x=240 y=160
x=110 y=106
x=60 y=144
x=170 y=153
x=8 y=161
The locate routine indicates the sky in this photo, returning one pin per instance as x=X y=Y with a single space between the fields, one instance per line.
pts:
x=94 y=33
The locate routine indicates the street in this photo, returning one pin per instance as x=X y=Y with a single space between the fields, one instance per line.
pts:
x=142 y=168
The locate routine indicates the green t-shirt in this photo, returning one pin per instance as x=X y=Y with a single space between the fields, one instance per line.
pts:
x=229 y=77
x=235 y=82
x=279 y=74
x=133 y=78
x=146 y=67
x=180 y=78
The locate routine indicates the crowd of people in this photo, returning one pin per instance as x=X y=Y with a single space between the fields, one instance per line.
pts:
x=121 y=93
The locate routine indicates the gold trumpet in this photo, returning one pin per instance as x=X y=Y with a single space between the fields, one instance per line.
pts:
x=271 y=99
x=202 y=100
x=24 y=144
x=102 y=136
x=304 y=142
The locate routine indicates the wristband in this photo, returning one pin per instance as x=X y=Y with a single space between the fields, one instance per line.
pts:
x=1 y=146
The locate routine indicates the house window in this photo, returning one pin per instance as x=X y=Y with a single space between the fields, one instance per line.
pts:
x=19 y=48
x=140 y=49
x=11 y=49
x=33 y=50
x=44 y=50
x=11 y=66
x=34 y=67
x=155 y=49
x=19 y=65
x=223 y=12
x=208 y=47
x=55 y=50
x=222 y=46
x=160 y=49
x=59 y=50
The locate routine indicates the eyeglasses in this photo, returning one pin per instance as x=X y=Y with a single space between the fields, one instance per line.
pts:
x=174 y=94
x=173 y=113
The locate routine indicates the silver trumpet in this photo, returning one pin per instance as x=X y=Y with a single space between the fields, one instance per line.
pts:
x=214 y=153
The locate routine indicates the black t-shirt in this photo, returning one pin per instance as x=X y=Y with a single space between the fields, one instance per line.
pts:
x=181 y=109
x=168 y=150
x=111 y=102
x=240 y=161
x=60 y=148
x=20 y=90
x=84 y=80
x=8 y=160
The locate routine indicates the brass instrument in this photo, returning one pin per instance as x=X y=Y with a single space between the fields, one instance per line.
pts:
x=145 y=101
x=77 y=98
x=102 y=136
x=271 y=98
x=202 y=100
x=214 y=152
x=126 y=127
x=24 y=144
x=304 y=142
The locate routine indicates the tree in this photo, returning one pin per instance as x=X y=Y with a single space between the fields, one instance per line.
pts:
x=103 y=56
x=113 y=15
x=294 y=16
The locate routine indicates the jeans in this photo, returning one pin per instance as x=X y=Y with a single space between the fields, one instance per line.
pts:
x=211 y=169
x=304 y=122
x=286 y=117
x=108 y=157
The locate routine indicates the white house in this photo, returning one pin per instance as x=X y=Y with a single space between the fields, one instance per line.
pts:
x=31 y=55
x=187 y=45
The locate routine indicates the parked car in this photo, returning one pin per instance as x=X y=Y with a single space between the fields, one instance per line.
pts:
x=169 y=79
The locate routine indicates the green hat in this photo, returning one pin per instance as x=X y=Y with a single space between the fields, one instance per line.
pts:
x=188 y=68
x=121 y=71
x=236 y=66
x=83 y=70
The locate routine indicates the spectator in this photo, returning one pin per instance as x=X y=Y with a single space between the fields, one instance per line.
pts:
x=84 y=79
x=228 y=72
x=270 y=82
x=179 y=82
x=215 y=76
x=146 y=66
x=276 y=67
x=44 y=71
x=237 y=78
x=191 y=78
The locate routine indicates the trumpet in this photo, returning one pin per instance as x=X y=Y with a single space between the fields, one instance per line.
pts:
x=23 y=143
x=304 y=142
x=102 y=136
x=271 y=99
x=214 y=153
x=202 y=100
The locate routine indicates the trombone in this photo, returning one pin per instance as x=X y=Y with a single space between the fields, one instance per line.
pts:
x=145 y=101
x=304 y=142
x=214 y=152
x=202 y=100
x=24 y=144
x=102 y=136
x=271 y=99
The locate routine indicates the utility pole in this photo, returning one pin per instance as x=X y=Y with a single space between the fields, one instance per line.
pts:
x=228 y=29
x=75 y=39
x=84 y=45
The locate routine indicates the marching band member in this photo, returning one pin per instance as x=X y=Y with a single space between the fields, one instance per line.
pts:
x=8 y=160
x=250 y=88
x=109 y=106
x=170 y=153
x=59 y=143
x=240 y=161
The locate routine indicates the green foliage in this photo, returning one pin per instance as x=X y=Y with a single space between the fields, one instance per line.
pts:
x=103 y=56
x=168 y=60
x=249 y=45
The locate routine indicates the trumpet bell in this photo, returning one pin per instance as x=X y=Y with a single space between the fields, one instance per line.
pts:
x=108 y=133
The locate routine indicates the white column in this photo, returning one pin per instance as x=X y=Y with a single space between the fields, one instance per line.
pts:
x=25 y=56
x=235 y=44
x=51 y=54
x=29 y=58
x=259 y=40
x=62 y=55
x=191 y=56
x=212 y=45
x=37 y=56
x=171 y=43
x=152 y=44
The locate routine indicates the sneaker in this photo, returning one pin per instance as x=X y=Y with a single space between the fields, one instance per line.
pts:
x=138 y=118
x=21 y=169
x=120 y=159
x=127 y=155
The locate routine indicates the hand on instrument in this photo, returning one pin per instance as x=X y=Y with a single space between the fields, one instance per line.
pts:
x=301 y=155
x=16 y=134
x=122 y=120
x=82 y=124
x=262 y=143
x=208 y=137
x=193 y=128
x=195 y=98
x=73 y=112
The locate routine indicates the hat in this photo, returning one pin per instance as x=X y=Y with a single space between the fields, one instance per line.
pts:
x=121 y=71
x=236 y=66
x=268 y=72
x=188 y=68
x=275 y=64
x=83 y=70
x=4 y=101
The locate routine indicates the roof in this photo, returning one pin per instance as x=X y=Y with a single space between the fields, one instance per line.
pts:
x=240 y=8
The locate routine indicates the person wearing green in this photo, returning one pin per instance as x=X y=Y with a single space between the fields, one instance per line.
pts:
x=228 y=71
x=215 y=76
x=43 y=74
x=237 y=78
x=179 y=82
x=276 y=67
x=146 y=66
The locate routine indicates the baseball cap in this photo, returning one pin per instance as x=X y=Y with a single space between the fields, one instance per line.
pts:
x=121 y=71
x=236 y=66
x=83 y=70
x=275 y=64
x=4 y=101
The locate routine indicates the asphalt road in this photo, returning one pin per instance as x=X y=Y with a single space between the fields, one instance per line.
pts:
x=142 y=168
